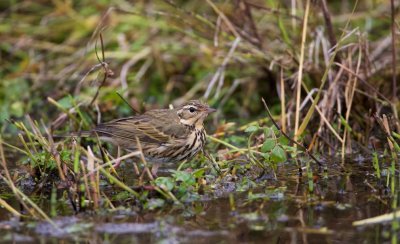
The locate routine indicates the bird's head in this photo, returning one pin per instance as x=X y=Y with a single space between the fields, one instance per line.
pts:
x=194 y=112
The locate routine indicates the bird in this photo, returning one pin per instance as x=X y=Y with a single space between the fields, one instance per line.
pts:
x=163 y=135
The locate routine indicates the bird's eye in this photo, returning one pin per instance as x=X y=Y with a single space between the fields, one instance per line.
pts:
x=192 y=109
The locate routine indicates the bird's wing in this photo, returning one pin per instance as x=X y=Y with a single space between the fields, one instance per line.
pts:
x=155 y=127
x=168 y=122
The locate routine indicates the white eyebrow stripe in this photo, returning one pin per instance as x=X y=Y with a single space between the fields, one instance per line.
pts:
x=190 y=106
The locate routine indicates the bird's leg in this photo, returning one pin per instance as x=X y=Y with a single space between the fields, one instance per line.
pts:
x=154 y=169
x=135 y=167
x=141 y=177
x=212 y=160
x=149 y=174
x=118 y=162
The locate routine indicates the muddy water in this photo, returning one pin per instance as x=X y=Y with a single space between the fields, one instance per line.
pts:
x=281 y=211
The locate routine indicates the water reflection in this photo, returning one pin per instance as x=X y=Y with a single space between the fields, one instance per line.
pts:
x=284 y=211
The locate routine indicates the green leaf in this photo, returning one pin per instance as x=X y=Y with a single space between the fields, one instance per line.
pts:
x=268 y=132
x=199 y=173
x=276 y=130
x=154 y=203
x=65 y=155
x=252 y=128
x=266 y=156
x=123 y=195
x=344 y=122
x=283 y=140
x=184 y=177
x=278 y=155
x=17 y=109
x=268 y=145
x=236 y=139
x=4 y=112
x=166 y=183
x=65 y=102
x=396 y=135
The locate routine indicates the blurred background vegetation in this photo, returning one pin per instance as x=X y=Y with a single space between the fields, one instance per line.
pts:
x=229 y=53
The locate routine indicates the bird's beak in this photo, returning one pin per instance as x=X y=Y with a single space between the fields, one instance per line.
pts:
x=211 y=110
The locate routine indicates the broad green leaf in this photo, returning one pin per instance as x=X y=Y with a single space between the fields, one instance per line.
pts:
x=278 y=155
x=283 y=140
x=268 y=132
x=4 y=111
x=17 y=109
x=275 y=130
x=184 y=177
x=199 y=173
x=154 y=203
x=165 y=183
x=266 y=156
x=123 y=195
x=268 y=145
x=252 y=128
x=65 y=102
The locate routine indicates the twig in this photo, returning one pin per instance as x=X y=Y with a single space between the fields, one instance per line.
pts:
x=221 y=69
x=335 y=50
x=378 y=219
x=329 y=27
x=288 y=137
x=246 y=9
x=394 y=74
x=228 y=23
x=393 y=29
x=123 y=99
x=111 y=162
x=365 y=82
x=300 y=72
x=104 y=65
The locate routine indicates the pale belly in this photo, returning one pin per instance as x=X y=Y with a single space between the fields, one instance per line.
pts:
x=178 y=151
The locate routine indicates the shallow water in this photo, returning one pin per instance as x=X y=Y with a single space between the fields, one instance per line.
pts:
x=283 y=211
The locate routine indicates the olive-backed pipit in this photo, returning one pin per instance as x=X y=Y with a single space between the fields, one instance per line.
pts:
x=165 y=135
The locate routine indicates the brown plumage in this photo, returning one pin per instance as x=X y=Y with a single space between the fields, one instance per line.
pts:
x=165 y=135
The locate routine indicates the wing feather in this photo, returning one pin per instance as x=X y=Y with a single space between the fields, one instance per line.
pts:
x=154 y=127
